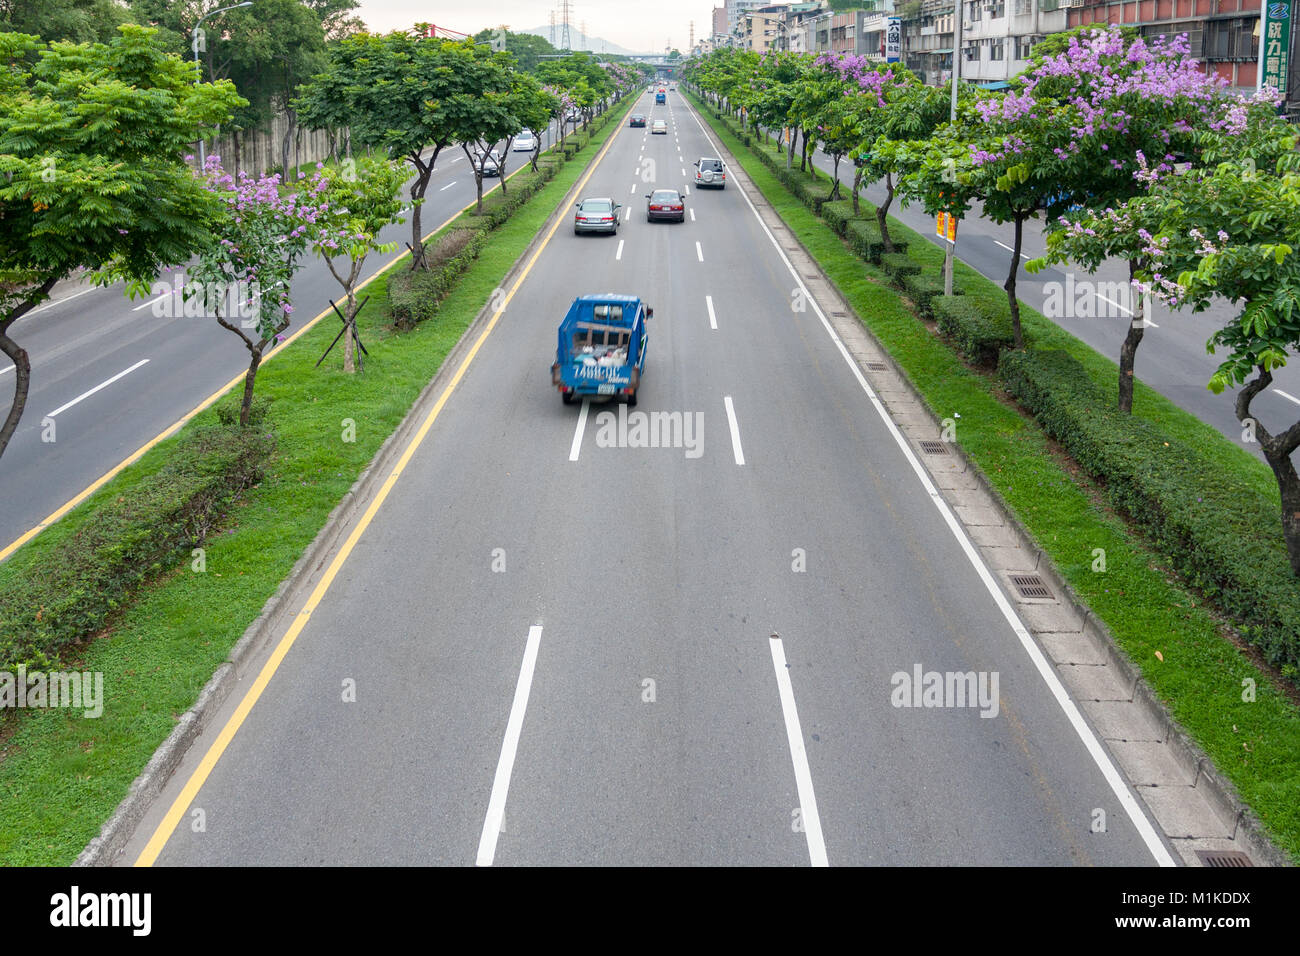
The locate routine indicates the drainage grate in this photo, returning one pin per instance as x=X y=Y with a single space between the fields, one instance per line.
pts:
x=838 y=315
x=934 y=447
x=810 y=275
x=1219 y=858
x=878 y=366
x=1030 y=586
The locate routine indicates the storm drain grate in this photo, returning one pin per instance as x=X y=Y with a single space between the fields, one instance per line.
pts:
x=1030 y=586
x=838 y=315
x=1220 y=858
x=934 y=447
x=878 y=366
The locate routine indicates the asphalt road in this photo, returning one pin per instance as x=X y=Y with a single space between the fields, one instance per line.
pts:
x=635 y=613
x=1172 y=358
x=168 y=364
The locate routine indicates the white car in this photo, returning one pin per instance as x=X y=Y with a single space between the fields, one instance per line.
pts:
x=525 y=142
x=489 y=163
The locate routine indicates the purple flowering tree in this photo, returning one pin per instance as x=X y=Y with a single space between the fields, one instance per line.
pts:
x=1124 y=100
x=244 y=278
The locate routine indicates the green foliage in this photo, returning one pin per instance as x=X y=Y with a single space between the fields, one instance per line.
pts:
x=414 y=296
x=865 y=240
x=980 y=330
x=1219 y=534
x=899 y=264
x=837 y=214
x=70 y=594
x=78 y=21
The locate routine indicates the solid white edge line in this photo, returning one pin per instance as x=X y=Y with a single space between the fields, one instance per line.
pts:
x=87 y=394
x=735 y=431
x=487 y=843
x=812 y=821
x=66 y=298
x=619 y=254
x=713 y=319
x=576 y=447
x=1089 y=739
x=699 y=253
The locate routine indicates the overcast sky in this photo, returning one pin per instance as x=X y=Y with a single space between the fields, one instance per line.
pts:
x=633 y=24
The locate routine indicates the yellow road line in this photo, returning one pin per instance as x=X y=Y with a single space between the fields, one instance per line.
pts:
x=169 y=823
x=139 y=452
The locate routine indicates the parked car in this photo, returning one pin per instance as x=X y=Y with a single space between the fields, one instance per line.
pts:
x=525 y=142
x=596 y=215
x=659 y=126
x=709 y=171
x=637 y=119
x=665 y=204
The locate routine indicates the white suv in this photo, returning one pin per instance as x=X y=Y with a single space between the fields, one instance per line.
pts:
x=709 y=171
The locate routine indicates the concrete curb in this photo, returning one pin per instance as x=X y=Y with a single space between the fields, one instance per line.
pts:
x=105 y=848
x=1222 y=794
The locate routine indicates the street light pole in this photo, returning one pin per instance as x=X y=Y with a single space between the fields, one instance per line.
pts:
x=951 y=252
x=198 y=74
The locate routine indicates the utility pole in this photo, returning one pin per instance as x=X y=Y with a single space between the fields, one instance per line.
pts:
x=552 y=28
x=566 y=12
x=951 y=252
x=199 y=38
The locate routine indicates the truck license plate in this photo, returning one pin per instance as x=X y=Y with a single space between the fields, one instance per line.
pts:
x=605 y=390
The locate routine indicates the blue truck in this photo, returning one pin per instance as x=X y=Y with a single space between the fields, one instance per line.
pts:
x=660 y=98
x=601 y=347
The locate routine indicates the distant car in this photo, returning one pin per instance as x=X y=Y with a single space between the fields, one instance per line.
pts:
x=659 y=126
x=525 y=142
x=596 y=215
x=489 y=163
x=665 y=204
x=637 y=119
x=672 y=89
x=660 y=98
x=709 y=171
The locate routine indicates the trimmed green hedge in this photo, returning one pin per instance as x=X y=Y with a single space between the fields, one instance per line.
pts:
x=924 y=289
x=1223 y=538
x=899 y=265
x=67 y=593
x=979 y=331
x=865 y=240
x=839 y=214
x=414 y=295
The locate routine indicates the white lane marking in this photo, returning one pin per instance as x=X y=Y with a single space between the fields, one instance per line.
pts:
x=448 y=186
x=699 y=253
x=812 y=822
x=634 y=187
x=683 y=170
x=1146 y=323
x=9 y=369
x=576 y=447
x=1090 y=742
x=1290 y=398
x=487 y=843
x=692 y=215
x=66 y=298
x=1009 y=249
x=619 y=255
x=713 y=319
x=627 y=216
x=84 y=395
x=145 y=305
x=735 y=431
x=686 y=190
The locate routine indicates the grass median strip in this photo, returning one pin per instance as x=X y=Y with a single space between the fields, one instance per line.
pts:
x=1165 y=631
x=62 y=775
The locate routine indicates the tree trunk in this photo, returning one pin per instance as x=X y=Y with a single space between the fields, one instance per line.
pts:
x=1128 y=351
x=835 y=178
x=349 y=359
x=234 y=139
x=857 y=186
x=882 y=213
x=249 y=378
x=803 y=154
x=418 y=187
x=1277 y=452
x=285 y=143
x=22 y=362
x=1011 y=284
x=789 y=148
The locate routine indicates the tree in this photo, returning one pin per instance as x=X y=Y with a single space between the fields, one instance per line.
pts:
x=78 y=21
x=526 y=48
x=360 y=199
x=247 y=271
x=1121 y=100
x=400 y=94
x=93 y=141
x=485 y=116
x=1232 y=230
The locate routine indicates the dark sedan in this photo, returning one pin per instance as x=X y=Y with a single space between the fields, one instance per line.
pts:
x=637 y=120
x=665 y=204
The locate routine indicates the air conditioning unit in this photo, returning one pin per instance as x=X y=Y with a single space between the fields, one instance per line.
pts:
x=1072 y=3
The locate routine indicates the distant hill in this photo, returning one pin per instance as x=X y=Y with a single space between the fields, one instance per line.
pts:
x=579 y=42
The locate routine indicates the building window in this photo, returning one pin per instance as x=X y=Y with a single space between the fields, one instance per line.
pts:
x=972 y=54
x=973 y=12
x=998 y=8
x=998 y=47
x=1024 y=7
x=1024 y=47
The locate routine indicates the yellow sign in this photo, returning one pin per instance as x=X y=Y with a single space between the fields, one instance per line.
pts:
x=945 y=226
x=952 y=228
